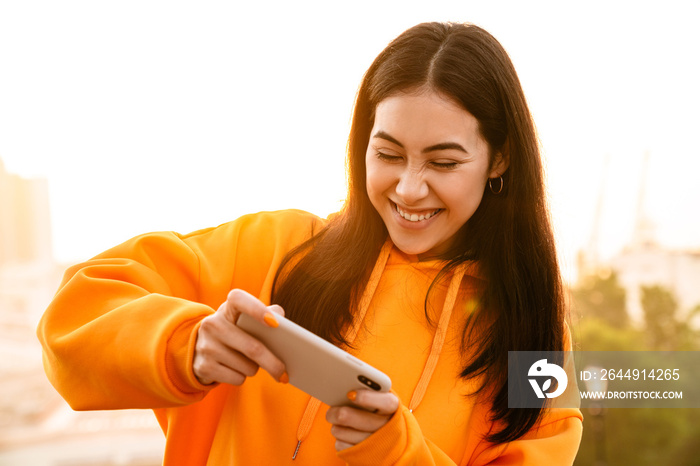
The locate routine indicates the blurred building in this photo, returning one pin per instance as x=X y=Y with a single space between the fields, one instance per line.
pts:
x=649 y=264
x=645 y=262
x=25 y=222
x=36 y=426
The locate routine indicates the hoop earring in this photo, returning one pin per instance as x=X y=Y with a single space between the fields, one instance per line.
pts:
x=500 y=187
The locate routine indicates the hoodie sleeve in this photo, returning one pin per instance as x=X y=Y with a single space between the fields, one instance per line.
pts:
x=554 y=440
x=401 y=442
x=398 y=442
x=120 y=332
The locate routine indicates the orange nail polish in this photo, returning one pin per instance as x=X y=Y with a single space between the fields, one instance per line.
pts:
x=284 y=378
x=352 y=395
x=270 y=320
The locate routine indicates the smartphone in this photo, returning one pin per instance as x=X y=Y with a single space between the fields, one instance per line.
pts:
x=314 y=365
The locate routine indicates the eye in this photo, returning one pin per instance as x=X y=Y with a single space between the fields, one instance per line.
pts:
x=388 y=158
x=444 y=165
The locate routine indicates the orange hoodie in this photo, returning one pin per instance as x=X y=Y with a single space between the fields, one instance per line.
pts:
x=120 y=333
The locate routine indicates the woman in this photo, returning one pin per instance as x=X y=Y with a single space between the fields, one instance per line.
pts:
x=441 y=261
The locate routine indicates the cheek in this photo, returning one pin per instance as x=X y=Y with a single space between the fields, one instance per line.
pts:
x=464 y=200
x=369 y=178
x=376 y=180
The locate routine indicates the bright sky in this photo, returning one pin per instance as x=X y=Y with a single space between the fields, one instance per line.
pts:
x=149 y=115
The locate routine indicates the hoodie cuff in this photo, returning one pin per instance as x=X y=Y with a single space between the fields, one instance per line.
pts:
x=385 y=446
x=179 y=358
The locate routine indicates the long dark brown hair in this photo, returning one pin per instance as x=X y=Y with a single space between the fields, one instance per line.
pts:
x=510 y=235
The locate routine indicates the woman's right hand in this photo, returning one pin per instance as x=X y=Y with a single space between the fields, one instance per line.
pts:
x=225 y=353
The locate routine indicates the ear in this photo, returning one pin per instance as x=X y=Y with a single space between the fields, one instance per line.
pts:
x=500 y=164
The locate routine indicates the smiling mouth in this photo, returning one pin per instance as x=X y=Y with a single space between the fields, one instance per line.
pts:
x=413 y=217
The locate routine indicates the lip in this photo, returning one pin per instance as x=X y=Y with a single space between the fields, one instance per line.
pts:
x=413 y=225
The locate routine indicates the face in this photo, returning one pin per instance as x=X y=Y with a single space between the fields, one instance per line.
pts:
x=427 y=167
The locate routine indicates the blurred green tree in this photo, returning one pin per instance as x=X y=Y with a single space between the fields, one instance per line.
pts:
x=601 y=296
x=639 y=437
x=665 y=330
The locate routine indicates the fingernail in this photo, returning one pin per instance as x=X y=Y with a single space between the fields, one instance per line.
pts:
x=270 y=320
x=352 y=395
x=284 y=378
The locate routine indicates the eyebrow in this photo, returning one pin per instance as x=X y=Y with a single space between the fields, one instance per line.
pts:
x=441 y=146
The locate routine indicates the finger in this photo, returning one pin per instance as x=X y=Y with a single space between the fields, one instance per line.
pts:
x=384 y=403
x=276 y=308
x=355 y=418
x=212 y=355
x=256 y=351
x=218 y=373
x=348 y=435
x=234 y=361
x=339 y=446
x=220 y=341
x=239 y=301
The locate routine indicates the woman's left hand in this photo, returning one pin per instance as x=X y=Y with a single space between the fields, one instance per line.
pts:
x=352 y=425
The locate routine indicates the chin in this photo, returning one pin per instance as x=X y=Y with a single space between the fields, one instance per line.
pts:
x=426 y=251
x=413 y=249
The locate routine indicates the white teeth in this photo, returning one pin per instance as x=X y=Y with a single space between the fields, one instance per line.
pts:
x=415 y=217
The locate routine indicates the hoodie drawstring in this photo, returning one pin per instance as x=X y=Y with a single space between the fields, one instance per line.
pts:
x=314 y=404
x=306 y=422
x=439 y=338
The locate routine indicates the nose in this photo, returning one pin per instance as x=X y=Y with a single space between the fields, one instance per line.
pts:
x=411 y=187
